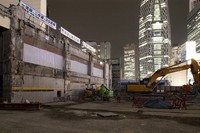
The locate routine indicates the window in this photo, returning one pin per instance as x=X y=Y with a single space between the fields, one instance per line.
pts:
x=157 y=46
x=157 y=33
x=157 y=52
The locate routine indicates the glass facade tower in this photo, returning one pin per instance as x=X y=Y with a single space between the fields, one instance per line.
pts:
x=193 y=25
x=105 y=50
x=154 y=36
x=129 y=62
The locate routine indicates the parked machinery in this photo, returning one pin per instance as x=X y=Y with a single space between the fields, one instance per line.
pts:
x=94 y=92
x=150 y=86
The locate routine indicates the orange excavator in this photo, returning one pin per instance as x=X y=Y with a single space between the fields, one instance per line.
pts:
x=151 y=85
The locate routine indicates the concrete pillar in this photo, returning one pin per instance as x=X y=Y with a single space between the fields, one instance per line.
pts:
x=90 y=67
x=13 y=55
x=105 y=73
x=110 y=75
x=137 y=63
x=67 y=55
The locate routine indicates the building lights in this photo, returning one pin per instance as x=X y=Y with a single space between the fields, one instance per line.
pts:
x=154 y=37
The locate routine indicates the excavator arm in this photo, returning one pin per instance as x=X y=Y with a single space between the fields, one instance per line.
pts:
x=195 y=69
x=143 y=88
x=164 y=71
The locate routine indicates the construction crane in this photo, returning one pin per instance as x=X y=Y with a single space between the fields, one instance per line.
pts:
x=149 y=86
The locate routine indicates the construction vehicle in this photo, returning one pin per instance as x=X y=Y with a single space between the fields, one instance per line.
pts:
x=105 y=93
x=150 y=85
x=90 y=91
x=93 y=92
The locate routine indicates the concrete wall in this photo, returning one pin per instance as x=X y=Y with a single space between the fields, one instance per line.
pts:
x=76 y=90
x=33 y=96
x=41 y=67
x=4 y=17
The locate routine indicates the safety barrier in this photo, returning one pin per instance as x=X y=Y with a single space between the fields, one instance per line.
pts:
x=179 y=103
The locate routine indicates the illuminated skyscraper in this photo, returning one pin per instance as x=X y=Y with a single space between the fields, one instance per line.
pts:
x=129 y=62
x=154 y=36
x=105 y=50
x=193 y=24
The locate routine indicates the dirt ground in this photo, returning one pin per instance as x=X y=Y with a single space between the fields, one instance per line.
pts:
x=83 y=117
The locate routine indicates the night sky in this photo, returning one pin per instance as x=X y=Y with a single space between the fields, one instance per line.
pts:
x=115 y=21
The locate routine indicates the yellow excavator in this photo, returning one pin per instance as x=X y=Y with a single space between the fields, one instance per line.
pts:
x=151 y=85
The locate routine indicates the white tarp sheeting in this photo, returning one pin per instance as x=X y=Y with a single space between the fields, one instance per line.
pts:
x=42 y=57
x=79 y=67
x=97 y=72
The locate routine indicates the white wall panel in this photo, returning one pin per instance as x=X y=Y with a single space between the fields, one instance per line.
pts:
x=42 y=57
x=97 y=72
x=178 y=78
x=78 y=67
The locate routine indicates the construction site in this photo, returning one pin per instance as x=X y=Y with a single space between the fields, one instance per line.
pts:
x=48 y=84
x=40 y=64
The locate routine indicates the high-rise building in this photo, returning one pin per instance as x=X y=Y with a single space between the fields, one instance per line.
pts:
x=38 y=5
x=181 y=55
x=116 y=73
x=193 y=3
x=129 y=62
x=102 y=50
x=105 y=50
x=93 y=47
x=193 y=25
x=154 y=36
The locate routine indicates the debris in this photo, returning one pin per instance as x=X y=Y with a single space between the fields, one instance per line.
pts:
x=107 y=114
x=27 y=101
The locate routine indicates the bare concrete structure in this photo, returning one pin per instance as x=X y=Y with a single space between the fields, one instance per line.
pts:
x=41 y=65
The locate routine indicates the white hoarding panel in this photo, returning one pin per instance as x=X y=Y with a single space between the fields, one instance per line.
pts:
x=78 y=67
x=38 y=15
x=97 y=72
x=190 y=50
x=42 y=57
x=70 y=35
